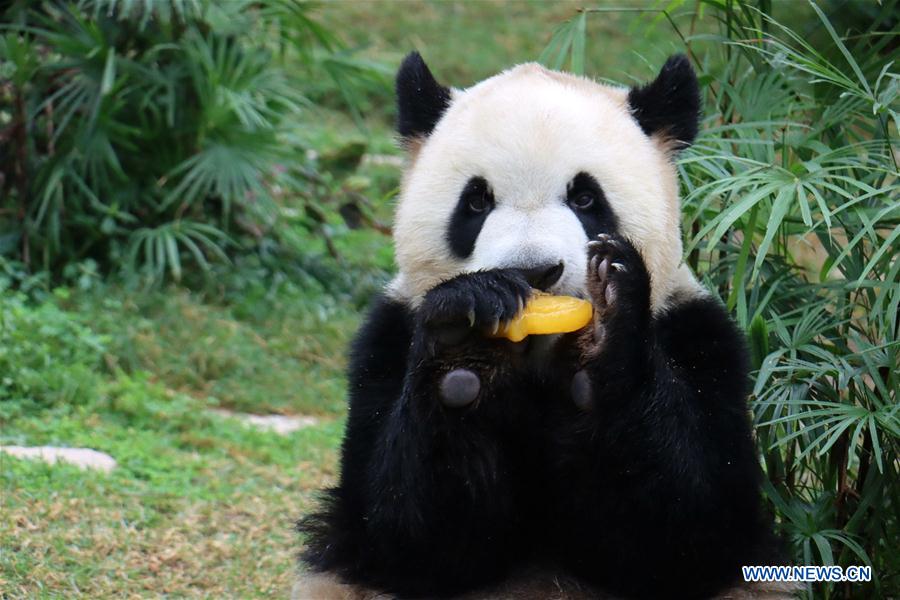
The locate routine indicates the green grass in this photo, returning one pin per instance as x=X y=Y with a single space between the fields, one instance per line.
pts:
x=289 y=360
x=200 y=505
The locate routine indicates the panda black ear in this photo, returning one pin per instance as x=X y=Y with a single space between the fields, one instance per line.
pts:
x=670 y=104
x=421 y=101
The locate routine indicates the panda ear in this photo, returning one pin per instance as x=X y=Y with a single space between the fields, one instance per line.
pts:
x=421 y=101
x=670 y=104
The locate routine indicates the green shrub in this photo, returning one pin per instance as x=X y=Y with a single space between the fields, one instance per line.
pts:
x=135 y=401
x=47 y=356
x=791 y=199
x=280 y=351
x=149 y=136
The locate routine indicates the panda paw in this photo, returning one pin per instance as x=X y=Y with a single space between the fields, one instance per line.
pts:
x=614 y=349
x=455 y=356
x=617 y=279
x=473 y=301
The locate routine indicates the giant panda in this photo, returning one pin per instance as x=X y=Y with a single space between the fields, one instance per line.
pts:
x=617 y=460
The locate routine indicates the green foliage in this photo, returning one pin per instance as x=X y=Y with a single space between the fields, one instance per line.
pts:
x=792 y=198
x=149 y=135
x=792 y=211
x=274 y=349
x=47 y=356
x=270 y=350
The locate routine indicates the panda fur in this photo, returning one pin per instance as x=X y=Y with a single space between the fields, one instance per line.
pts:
x=613 y=462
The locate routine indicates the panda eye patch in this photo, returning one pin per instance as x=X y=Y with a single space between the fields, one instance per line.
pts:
x=586 y=200
x=476 y=201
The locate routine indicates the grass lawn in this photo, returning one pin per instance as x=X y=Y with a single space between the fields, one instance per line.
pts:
x=200 y=504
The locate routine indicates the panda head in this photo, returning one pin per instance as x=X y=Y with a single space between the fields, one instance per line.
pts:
x=522 y=169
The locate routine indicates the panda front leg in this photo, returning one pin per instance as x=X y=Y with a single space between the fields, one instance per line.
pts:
x=656 y=490
x=428 y=501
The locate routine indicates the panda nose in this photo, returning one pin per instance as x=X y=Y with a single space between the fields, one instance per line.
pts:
x=542 y=277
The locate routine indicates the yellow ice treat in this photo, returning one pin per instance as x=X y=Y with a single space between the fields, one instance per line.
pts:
x=545 y=314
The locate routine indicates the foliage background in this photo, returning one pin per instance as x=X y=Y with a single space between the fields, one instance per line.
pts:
x=195 y=206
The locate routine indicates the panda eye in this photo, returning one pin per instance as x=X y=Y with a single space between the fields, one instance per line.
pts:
x=479 y=202
x=583 y=200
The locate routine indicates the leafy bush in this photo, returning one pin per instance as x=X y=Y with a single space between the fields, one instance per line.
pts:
x=278 y=353
x=47 y=356
x=796 y=195
x=135 y=401
x=144 y=135
x=791 y=210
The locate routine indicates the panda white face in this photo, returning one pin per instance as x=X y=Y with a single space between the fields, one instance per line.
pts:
x=520 y=171
x=544 y=238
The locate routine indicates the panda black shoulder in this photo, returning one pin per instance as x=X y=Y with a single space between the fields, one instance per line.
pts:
x=697 y=330
x=382 y=342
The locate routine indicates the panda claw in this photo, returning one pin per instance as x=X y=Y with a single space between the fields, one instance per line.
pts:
x=595 y=245
x=495 y=327
x=619 y=267
x=471 y=316
x=602 y=269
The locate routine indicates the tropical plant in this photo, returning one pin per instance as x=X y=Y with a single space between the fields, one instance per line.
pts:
x=47 y=356
x=791 y=199
x=145 y=135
